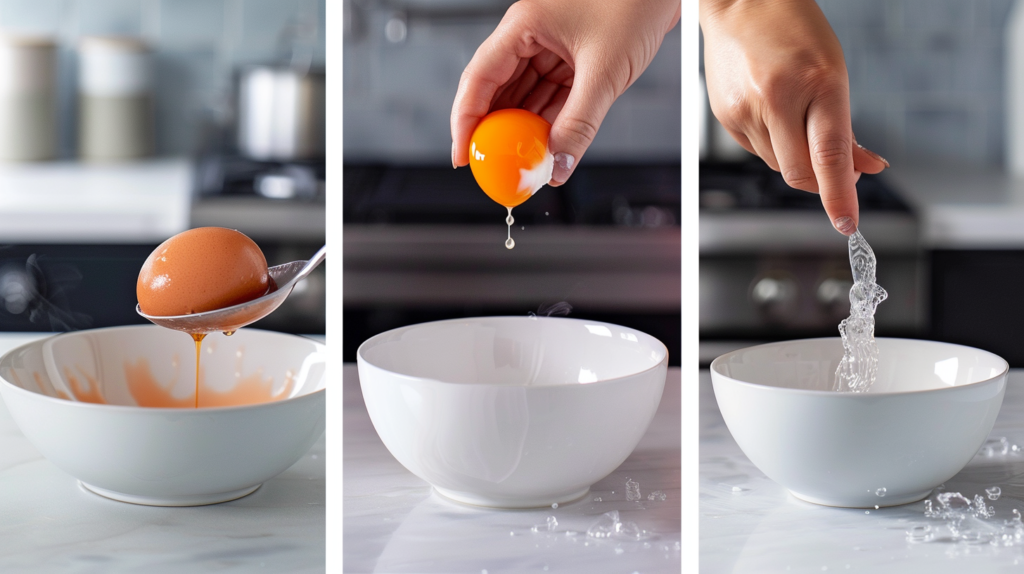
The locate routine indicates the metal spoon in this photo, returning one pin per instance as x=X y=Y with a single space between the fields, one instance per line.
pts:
x=230 y=319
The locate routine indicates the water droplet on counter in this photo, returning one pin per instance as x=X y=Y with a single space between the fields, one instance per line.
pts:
x=632 y=489
x=548 y=525
x=920 y=533
x=880 y=492
x=555 y=505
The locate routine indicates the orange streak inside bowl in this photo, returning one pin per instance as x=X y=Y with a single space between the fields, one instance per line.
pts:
x=248 y=390
x=149 y=392
x=84 y=395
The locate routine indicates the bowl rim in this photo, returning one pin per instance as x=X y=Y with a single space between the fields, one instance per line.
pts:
x=4 y=383
x=850 y=395
x=361 y=361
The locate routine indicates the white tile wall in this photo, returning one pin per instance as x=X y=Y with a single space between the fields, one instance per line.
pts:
x=398 y=97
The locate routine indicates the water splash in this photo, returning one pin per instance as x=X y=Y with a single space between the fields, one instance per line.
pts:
x=609 y=526
x=657 y=495
x=859 y=366
x=969 y=521
x=993 y=493
x=997 y=446
x=632 y=489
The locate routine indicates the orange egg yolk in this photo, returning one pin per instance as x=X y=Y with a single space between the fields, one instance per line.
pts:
x=509 y=157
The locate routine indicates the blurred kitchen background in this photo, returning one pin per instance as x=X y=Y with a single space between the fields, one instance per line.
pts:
x=937 y=88
x=124 y=122
x=423 y=242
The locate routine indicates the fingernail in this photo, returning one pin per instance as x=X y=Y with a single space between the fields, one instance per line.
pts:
x=844 y=225
x=874 y=155
x=563 y=167
x=453 y=156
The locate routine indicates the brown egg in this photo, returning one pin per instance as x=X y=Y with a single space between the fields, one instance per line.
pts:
x=201 y=270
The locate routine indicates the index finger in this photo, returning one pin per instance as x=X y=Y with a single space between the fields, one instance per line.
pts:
x=830 y=142
x=495 y=62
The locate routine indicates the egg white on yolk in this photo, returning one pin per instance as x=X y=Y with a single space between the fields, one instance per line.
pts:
x=537 y=177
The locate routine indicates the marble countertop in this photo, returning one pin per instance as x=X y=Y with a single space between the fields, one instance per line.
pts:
x=143 y=201
x=750 y=524
x=48 y=523
x=393 y=522
x=963 y=208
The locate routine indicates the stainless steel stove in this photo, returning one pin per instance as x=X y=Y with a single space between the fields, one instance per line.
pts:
x=772 y=267
x=424 y=243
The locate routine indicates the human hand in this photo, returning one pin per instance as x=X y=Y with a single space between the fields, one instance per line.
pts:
x=565 y=60
x=777 y=82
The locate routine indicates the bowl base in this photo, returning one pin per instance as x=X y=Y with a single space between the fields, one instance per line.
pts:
x=501 y=502
x=880 y=502
x=183 y=500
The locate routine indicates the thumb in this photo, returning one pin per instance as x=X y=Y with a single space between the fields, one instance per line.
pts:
x=576 y=125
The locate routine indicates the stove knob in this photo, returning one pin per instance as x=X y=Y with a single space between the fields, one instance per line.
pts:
x=773 y=291
x=834 y=292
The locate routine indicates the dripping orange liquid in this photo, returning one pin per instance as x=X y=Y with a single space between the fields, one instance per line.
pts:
x=198 y=338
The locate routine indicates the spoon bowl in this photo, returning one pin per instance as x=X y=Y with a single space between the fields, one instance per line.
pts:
x=230 y=319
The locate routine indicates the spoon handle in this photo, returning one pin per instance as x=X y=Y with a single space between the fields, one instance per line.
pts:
x=313 y=262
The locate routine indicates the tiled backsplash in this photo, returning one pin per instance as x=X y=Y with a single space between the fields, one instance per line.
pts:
x=398 y=94
x=197 y=45
x=926 y=77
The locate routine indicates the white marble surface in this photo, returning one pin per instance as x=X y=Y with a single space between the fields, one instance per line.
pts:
x=762 y=528
x=48 y=523
x=394 y=522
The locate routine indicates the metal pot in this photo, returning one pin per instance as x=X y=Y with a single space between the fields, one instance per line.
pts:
x=281 y=113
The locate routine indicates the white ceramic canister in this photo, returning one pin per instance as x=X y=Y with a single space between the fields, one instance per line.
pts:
x=28 y=101
x=115 y=99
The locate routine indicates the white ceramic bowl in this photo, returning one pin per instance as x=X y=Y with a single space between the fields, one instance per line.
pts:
x=512 y=412
x=162 y=455
x=928 y=413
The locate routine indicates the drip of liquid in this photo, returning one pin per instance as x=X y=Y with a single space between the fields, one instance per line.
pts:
x=228 y=333
x=510 y=243
x=198 y=338
x=859 y=366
